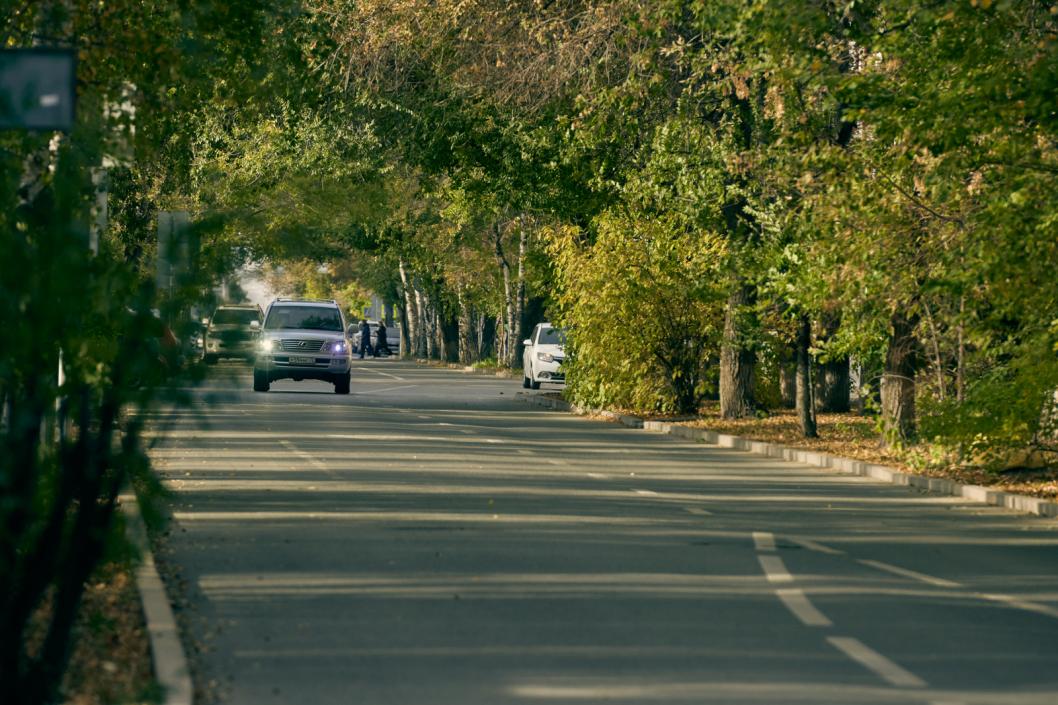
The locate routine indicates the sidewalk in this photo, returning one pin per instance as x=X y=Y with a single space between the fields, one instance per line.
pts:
x=808 y=456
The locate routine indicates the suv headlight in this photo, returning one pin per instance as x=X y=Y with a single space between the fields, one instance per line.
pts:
x=546 y=357
x=266 y=345
x=338 y=347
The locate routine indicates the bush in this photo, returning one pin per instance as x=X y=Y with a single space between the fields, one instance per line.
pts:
x=644 y=313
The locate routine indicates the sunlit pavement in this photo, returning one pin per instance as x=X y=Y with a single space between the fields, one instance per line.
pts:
x=431 y=539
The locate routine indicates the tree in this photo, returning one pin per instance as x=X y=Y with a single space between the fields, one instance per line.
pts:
x=70 y=443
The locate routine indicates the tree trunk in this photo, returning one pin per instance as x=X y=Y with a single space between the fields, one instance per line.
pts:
x=737 y=357
x=410 y=322
x=429 y=327
x=788 y=380
x=938 y=358
x=835 y=386
x=422 y=327
x=508 y=345
x=520 y=333
x=468 y=347
x=806 y=408
x=486 y=336
x=449 y=329
x=440 y=342
x=960 y=354
x=898 y=381
x=833 y=383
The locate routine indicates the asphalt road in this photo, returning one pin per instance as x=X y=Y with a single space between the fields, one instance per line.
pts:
x=432 y=539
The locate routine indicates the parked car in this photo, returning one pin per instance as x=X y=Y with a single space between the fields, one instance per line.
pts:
x=231 y=332
x=543 y=356
x=303 y=339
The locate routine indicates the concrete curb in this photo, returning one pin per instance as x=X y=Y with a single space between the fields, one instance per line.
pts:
x=167 y=653
x=563 y=405
x=881 y=473
x=501 y=373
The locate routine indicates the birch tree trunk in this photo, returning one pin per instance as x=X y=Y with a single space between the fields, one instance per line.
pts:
x=429 y=331
x=423 y=324
x=509 y=325
x=468 y=347
x=410 y=324
x=806 y=412
x=960 y=353
x=519 y=329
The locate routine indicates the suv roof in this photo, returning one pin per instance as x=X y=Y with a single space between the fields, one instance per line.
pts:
x=310 y=302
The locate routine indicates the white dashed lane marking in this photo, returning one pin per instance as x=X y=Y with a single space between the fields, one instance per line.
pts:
x=764 y=541
x=875 y=662
x=796 y=601
x=774 y=569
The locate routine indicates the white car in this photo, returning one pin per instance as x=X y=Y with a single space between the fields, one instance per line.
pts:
x=543 y=356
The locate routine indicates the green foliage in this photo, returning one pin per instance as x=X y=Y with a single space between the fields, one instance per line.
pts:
x=1009 y=407
x=643 y=311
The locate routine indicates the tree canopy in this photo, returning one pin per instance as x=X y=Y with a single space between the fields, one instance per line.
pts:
x=715 y=198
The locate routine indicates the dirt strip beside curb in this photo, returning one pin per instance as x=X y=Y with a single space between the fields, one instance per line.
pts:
x=882 y=473
x=167 y=653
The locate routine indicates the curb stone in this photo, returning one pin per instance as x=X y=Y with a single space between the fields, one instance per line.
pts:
x=167 y=653
x=882 y=473
x=469 y=369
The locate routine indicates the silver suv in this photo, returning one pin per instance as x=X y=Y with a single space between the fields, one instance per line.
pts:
x=302 y=339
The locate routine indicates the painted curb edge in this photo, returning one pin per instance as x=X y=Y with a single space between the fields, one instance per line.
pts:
x=881 y=473
x=167 y=652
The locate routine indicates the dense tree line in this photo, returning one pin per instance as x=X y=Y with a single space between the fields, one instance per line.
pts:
x=722 y=199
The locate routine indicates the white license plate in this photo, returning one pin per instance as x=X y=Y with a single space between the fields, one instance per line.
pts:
x=297 y=360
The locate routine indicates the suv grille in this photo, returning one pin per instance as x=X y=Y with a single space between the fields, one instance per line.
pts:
x=296 y=345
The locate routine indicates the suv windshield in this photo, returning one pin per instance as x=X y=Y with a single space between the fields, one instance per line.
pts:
x=308 y=317
x=552 y=336
x=231 y=316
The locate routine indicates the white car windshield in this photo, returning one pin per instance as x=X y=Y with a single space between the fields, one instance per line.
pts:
x=304 y=317
x=551 y=336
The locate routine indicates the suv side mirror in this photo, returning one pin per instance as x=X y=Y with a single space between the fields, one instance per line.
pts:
x=256 y=325
x=527 y=341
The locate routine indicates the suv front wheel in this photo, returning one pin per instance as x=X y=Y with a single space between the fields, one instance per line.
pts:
x=341 y=384
x=260 y=381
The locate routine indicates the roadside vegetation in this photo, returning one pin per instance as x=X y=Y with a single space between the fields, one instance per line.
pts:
x=765 y=204
x=741 y=206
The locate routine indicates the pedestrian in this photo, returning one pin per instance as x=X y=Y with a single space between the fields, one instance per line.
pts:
x=365 y=338
x=381 y=345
